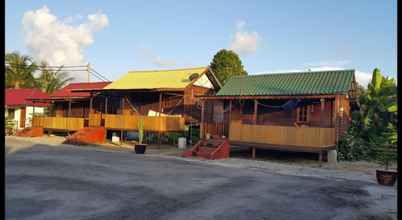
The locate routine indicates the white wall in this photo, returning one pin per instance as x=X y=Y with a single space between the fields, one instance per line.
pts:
x=28 y=115
x=17 y=113
x=203 y=81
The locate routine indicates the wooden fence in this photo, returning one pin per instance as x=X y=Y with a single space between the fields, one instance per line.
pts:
x=151 y=123
x=58 y=123
x=282 y=135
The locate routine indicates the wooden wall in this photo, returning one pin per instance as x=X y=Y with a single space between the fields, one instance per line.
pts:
x=282 y=135
x=268 y=115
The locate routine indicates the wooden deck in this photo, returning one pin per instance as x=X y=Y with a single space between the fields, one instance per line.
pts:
x=58 y=123
x=309 y=138
x=111 y=122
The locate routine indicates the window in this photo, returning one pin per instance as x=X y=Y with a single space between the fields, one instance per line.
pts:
x=303 y=114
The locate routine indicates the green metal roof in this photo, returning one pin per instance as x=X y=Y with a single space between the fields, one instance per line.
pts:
x=280 y=84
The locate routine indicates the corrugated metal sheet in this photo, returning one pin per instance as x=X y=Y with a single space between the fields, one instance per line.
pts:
x=158 y=79
x=301 y=83
x=17 y=97
x=67 y=91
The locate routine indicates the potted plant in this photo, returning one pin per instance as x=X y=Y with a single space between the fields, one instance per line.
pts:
x=386 y=149
x=140 y=147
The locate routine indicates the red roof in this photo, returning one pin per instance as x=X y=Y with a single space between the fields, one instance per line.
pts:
x=67 y=91
x=20 y=97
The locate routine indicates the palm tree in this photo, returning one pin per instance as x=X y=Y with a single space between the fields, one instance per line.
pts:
x=19 y=71
x=50 y=79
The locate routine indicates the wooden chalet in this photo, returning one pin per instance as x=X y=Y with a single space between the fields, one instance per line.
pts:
x=304 y=111
x=165 y=99
x=70 y=110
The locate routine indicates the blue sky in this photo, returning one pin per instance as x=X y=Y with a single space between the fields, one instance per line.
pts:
x=270 y=36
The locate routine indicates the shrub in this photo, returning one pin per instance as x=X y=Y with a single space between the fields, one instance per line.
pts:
x=353 y=148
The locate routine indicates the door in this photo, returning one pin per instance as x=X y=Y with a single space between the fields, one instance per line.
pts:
x=22 y=117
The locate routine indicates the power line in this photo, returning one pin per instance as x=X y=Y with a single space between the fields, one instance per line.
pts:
x=76 y=68
x=99 y=73
x=98 y=76
x=62 y=66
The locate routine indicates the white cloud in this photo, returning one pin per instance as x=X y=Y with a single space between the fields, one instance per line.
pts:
x=363 y=78
x=57 y=41
x=244 y=42
x=148 y=55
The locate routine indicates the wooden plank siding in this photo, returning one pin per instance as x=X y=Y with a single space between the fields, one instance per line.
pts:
x=151 y=123
x=58 y=123
x=282 y=135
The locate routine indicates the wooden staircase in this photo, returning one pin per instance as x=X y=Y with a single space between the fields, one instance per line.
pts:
x=211 y=149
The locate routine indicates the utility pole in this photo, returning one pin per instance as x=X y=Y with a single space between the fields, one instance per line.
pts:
x=89 y=74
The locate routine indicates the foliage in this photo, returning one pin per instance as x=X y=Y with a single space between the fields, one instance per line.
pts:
x=372 y=134
x=50 y=80
x=225 y=64
x=140 y=131
x=19 y=71
x=10 y=126
x=352 y=146
x=172 y=137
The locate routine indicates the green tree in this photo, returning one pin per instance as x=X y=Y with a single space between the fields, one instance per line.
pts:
x=372 y=134
x=19 y=71
x=225 y=64
x=50 y=80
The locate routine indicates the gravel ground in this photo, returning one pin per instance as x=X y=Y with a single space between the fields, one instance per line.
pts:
x=304 y=160
x=69 y=182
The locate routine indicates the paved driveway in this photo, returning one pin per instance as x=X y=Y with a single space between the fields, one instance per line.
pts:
x=64 y=182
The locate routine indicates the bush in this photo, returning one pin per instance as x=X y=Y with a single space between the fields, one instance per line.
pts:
x=353 y=148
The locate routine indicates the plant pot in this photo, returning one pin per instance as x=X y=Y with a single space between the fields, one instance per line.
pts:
x=386 y=177
x=140 y=148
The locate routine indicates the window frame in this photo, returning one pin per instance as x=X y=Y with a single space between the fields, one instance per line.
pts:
x=307 y=116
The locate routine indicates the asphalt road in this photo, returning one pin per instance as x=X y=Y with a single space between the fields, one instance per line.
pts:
x=48 y=182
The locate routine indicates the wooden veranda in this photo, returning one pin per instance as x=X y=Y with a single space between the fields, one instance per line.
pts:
x=255 y=122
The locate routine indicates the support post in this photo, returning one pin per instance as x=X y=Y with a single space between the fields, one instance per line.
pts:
x=202 y=119
x=121 y=119
x=320 y=158
x=230 y=114
x=69 y=108
x=322 y=101
x=253 y=152
x=255 y=111
x=68 y=116
x=106 y=105
x=160 y=103
x=90 y=104
x=88 y=73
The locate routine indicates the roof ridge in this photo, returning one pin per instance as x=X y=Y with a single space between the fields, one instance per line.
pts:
x=292 y=73
x=167 y=70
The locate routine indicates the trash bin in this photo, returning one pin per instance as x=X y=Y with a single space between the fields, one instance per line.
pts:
x=182 y=143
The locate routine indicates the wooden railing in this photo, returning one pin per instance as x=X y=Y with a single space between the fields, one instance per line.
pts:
x=151 y=123
x=94 y=120
x=58 y=123
x=282 y=135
